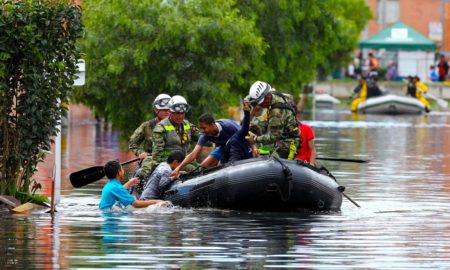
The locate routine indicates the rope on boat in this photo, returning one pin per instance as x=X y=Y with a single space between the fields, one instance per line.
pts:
x=288 y=177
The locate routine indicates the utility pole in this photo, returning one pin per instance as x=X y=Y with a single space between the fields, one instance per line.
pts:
x=383 y=14
x=442 y=25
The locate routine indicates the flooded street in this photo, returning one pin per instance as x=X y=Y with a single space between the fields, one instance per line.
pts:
x=403 y=222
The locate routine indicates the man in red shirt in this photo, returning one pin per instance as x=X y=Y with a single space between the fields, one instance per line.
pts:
x=443 y=68
x=307 y=152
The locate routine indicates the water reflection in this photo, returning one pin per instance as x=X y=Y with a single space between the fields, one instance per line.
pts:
x=243 y=240
x=113 y=229
x=403 y=223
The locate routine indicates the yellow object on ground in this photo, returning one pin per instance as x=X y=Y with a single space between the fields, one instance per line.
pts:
x=23 y=207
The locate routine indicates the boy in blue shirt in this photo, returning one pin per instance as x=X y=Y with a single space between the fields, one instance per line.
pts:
x=116 y=193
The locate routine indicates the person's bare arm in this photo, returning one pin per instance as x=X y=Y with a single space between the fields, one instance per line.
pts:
x=142 y=204
x=132 y=182
x=143 y=155
x=188 y=159
x=255 y=151
x=209 y=162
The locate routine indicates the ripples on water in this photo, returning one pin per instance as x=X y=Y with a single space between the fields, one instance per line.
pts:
x=403 y=222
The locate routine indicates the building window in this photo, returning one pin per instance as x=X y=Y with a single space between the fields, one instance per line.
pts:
x=392 y=11
x=388 y=11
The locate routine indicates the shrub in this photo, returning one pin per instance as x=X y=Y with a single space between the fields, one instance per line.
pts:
x=38 y=59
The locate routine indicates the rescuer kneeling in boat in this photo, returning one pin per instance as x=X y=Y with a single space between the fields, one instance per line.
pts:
x=279 y=126
x=416 y=89
x=367 y=88
x=141 y=140
x=171 y=134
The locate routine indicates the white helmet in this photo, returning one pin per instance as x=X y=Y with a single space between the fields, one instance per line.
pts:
x=161 y=102
x=178 y=104
x=258 y=91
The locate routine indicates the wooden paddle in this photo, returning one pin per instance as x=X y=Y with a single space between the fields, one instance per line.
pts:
x=344 y=159
x=90 y=175
x=341 y=189
x=351 y=200
x=442 y=103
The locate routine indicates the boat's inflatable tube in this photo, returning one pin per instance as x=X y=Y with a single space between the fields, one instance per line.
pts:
x=391 y=104
x=264 y=183
x=326 y=99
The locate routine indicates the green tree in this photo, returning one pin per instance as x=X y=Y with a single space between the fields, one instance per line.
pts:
x=208 y=51
x=37 y=66
x=303 y=35
x=137 y=49
x=351 y=16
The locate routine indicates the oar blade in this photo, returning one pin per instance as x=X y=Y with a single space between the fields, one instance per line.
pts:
x=442 y=103
x=86 y=176
x=90 y=175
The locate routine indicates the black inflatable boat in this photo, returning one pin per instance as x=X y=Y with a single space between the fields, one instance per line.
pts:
x=264 y=183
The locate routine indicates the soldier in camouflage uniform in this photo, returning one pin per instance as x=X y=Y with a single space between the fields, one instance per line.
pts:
x=260 y=125
x=278 y=124
x=141 y=141
x=172 y=133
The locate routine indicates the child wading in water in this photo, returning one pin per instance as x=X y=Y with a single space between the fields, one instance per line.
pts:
x=114 y=193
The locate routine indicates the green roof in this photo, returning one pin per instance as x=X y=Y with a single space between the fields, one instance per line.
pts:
x=398 y=36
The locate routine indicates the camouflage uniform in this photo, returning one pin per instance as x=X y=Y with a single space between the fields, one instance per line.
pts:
x=262 y=125
x=141 y=140
x=279 y=127
x=167 y=138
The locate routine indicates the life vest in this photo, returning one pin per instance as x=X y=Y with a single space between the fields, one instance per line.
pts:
x=176 y=137
x=373 y=90
x=411 y=89
x=363 y=92
x=422 y=87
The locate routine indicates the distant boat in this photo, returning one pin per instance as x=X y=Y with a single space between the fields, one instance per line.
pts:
x=391 y=104
x=326 y=99
x=264 y=183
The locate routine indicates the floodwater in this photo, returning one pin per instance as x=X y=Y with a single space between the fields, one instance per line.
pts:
x=403 y=222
